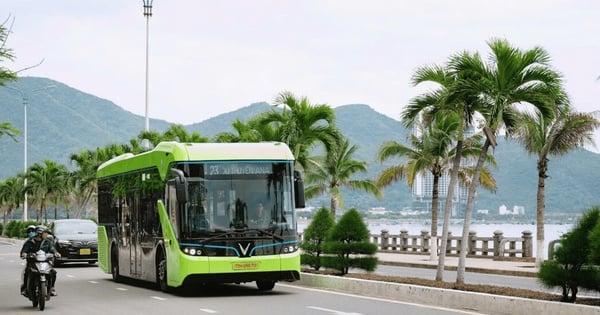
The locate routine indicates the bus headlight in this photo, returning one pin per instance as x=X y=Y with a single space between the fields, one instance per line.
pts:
x=192 y=251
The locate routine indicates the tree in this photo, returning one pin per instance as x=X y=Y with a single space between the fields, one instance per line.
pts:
x=11 y=196
x=6 y=128
x=568 y=269
x=315 y=235
x=446 y=98
x=174 y=133
x=6 y=75
x=349 y=244
x=253 y=130
x=6 y=54
x=43 y=180
x=430 y=151
x=336 y=170
x=554 y=136
x=513 y=81
x=302 y=125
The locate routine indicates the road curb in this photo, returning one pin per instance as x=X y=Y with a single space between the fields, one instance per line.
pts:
x=453 y=299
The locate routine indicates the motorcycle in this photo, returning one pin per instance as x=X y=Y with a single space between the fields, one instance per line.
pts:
x=38 y=280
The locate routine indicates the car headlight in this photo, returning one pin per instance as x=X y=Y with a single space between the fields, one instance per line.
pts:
x=64 y=242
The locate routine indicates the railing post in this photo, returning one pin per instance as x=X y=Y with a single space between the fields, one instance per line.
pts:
x=497 y=242
x=449 y=243
x=385 y=235
x=425 y=241
x=472 y=245
x=527 y=244
x=403 y=240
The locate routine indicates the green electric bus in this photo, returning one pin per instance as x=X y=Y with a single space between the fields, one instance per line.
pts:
x=183 y=213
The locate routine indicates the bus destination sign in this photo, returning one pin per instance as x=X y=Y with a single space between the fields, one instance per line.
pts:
x=238 y=169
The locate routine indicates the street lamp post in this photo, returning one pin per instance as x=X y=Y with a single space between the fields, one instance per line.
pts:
x=147 y=14
x=24 y=100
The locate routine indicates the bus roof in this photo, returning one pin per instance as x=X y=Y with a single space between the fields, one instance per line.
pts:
x=166 y=152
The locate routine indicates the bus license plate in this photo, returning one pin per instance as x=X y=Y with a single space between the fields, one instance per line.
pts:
x=85 y=251
x=246 y=265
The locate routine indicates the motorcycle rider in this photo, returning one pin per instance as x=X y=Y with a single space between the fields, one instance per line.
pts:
x=32 y=245
x=30 y=232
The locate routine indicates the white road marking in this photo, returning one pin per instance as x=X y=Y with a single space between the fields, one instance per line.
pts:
x=94 y=282
x=159 y=298
x=122 y=289
x=381 y=299
x=331 y=311
x=206 y=310
x=70 y=276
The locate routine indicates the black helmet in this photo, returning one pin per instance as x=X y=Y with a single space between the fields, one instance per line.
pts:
x=30 y=228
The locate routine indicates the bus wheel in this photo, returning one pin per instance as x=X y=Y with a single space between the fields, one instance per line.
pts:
x=114 y=266
x=265 y=285
x=161 y=271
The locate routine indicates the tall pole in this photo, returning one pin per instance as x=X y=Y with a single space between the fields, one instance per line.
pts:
x=25 y=158
x=147 y=14
x=24 y=100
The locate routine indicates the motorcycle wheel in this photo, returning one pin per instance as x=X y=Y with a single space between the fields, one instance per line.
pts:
x=42 y=291
x=32 y=288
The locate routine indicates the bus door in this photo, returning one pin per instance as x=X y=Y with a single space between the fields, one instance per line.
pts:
x=135 y=248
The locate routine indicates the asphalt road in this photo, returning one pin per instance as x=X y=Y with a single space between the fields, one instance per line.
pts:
x=85 y=289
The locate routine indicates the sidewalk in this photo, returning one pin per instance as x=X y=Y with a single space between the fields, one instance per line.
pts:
x=482 y=265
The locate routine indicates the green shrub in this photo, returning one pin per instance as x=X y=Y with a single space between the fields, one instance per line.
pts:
x=314 y=237
x=349 y=246
x=570 y=268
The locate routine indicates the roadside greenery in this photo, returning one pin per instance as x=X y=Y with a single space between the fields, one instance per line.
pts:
x=315 y=236
x=575 y=263
x=340 y=246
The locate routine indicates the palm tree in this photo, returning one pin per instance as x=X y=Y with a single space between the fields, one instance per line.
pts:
x=43 y=180
x=545 y=137
x=445 y=99
x=513 y=81
x=83 y=179
x=11 y=196
x=6 y=54
x=253 y=130
x=7 y=129
x=302 y=125
x=174 y=133
x=335 y=171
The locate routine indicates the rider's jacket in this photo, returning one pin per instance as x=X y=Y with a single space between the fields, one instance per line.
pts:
x=32 y=245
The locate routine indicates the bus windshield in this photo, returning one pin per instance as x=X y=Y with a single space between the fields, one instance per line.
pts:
x=237 y=197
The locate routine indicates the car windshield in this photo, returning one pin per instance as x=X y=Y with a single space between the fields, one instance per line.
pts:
x=76 y=227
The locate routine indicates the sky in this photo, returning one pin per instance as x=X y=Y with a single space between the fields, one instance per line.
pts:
x=206 y=58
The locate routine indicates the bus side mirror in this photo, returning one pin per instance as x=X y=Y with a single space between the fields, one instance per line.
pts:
x=181 y=185
x=298 y=190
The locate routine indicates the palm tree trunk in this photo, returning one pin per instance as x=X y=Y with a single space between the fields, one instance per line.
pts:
x=462 y=260
x=453 y=179
x=541 y=197
x=334 y=203
x=435 y=205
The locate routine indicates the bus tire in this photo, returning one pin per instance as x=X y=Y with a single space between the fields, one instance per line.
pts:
x=161 y=270
x=114 y=265
x=265 y=285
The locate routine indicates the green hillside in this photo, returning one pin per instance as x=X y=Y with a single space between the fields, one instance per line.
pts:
x=63 y=120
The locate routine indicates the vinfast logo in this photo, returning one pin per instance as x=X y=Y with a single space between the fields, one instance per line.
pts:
x=245 y=248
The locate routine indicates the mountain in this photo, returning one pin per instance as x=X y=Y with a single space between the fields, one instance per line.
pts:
x=62 y=120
